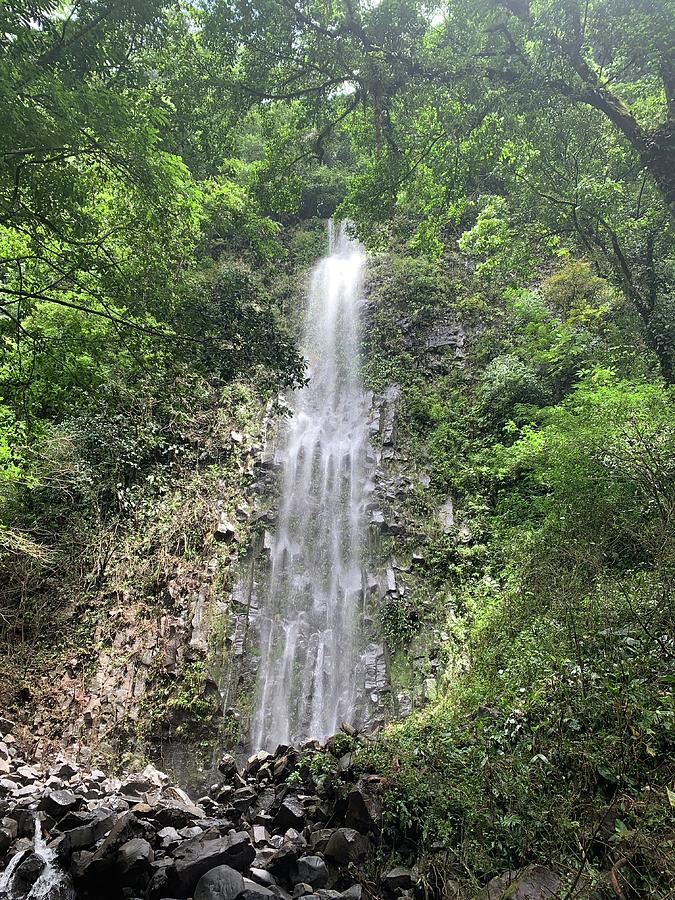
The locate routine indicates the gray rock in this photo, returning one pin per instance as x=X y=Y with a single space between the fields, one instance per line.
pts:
x=197 y=856
x=291 y=814
x=313 y=871
x=364 y=809
x=531 y=883
x=25 y=821
x=102 y=862
x=242 y=799
x=254 y=891
x=262 y=876
x=302 y=888
x=169 y=837
x=319 y=839
x=398 y=879
x=346 y=845
x=174 y=815
x=58 y=803
x=220 y=883
x=11 y=827
x=228 y=766
x=83 y=829
x=257 y=760
x=27 y=873
x=133 y=858
x=64 y=770
x=162 y=884
x=225 y=530
x=260 y=835
x=79 y=862
x=445 y=336
x=27 y=774
x=282 y=863
x=6 y=840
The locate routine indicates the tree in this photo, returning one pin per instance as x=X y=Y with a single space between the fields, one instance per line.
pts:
x=452 y=102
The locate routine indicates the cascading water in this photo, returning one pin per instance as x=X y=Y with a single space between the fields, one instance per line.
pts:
x=52 y=883
x=311 y=605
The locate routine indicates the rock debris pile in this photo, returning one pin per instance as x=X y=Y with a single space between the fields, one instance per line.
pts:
x=286 y=825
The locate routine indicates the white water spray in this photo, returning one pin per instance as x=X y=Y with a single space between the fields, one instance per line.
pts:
x=51 y=884
x=313 y=600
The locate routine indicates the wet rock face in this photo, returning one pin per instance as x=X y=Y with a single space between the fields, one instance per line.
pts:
x=255 y=836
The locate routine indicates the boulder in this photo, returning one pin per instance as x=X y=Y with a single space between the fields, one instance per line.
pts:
x=530 y=883
x=262 y=876
x=242 y=799
x=28 y=774
x=102 y=863
x=318 y=839
x=64 y=769
x=197 y=856
x=264 y=802
x=282 y=862
x=133 y=859
x=79 y=862
x=254 y=891
x=364 y=809
x=228 y=766
x=312 y=870
x=220 y=883
x=162 y=884
x=291 y=814
x=169 y=837
x=25 y=821
x=257 y=760
x=260 y=835
x=58 y=803
x=397 y=880
x=346 y=845
x=345 y=763
x=11 y=827
x=91 y=828
x=6 y=840
x=27 y=873
x=173 y=815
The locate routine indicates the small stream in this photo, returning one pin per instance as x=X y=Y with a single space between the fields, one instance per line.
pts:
x=52 y=883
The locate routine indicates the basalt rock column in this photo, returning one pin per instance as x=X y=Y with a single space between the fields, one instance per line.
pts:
x=312 y=603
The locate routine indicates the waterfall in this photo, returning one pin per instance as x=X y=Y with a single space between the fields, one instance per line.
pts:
x=312 y=602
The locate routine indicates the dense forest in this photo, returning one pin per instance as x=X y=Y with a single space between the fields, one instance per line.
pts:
x=166 y=172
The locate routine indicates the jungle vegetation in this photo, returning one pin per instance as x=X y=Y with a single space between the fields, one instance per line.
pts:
x=511 y=165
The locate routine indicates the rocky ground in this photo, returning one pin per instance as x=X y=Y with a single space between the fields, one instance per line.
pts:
x=67 y=832
x=286 y=825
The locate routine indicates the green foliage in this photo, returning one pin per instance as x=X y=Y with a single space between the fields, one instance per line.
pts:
x=508 y=383
x=398 y=619
x=150 y=154
x=181 y=707
x=567 y=710
x=341 y=743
